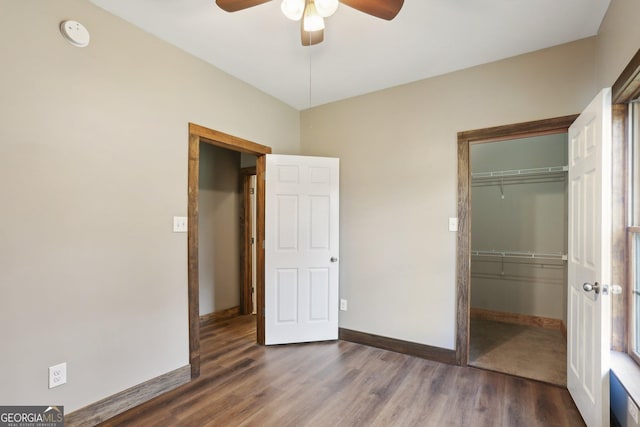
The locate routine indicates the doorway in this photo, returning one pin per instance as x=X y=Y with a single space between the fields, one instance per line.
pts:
x=199 y=134
x=464 y=242
x=221 y=233
x=518 y=260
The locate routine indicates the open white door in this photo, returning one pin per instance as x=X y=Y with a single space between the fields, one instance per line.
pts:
x=301 y=249
x=589 y=273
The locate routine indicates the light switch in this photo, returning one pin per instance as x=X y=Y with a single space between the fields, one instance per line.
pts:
x=179 y=224
x=453 y=224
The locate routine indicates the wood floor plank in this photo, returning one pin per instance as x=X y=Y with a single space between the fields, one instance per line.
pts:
x=342 y=384
x=400 y=409
x=488 y=404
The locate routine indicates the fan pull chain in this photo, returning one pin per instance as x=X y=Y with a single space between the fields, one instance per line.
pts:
x=309 y=47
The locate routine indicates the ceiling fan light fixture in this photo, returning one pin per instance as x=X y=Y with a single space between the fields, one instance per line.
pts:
x=293 y=9
x=311 y=13
x=326 y=8
x=312 y=20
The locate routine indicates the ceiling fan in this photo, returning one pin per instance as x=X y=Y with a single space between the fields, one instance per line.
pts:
x=311 y=13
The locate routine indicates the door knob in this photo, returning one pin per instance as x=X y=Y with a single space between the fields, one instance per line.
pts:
x=588 y=287
x=333 y=259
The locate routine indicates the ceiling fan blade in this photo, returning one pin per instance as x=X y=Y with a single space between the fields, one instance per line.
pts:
x=236 y=5
x=309 y=38
x=385 y=9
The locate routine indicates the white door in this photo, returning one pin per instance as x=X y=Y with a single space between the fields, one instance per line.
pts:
x=589 y=260
x=301 y=249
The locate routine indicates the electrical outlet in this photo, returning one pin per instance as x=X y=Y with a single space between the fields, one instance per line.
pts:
x=343 y=305
x=633 y=409
x=57 y=375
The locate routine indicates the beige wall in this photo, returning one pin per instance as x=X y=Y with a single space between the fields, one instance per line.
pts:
x=618 y=40
x=398 y=179
x=219 y=213
x=93 y=165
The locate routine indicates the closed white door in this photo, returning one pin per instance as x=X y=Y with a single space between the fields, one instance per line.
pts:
x=301 y=249
x=589 y=310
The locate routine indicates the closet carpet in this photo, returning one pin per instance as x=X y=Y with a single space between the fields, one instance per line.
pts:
x=525 y=351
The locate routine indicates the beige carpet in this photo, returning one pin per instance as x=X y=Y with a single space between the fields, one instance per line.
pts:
x=525 y=351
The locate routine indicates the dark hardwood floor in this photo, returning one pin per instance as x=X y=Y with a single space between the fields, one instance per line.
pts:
x=342 y=384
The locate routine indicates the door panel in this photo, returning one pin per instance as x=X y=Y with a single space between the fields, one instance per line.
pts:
x=588 y=326
x=319 y=287
x=301 y=240
x=287 y=296
x=287 y=214
x=320 y=214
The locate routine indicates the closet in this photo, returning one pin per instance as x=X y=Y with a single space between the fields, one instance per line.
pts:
x=518 y=256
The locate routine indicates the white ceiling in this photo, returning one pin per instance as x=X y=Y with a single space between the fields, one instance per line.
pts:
x=360 y=53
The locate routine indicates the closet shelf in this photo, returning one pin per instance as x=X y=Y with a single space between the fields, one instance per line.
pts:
x=516 y=254
x=551 y=171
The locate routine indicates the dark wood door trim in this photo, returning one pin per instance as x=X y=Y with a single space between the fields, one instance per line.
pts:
x=261 y=167
x=625 y=89
x=246 y=263
x=627 y=85
x=463 y=249
x=198 y=134
x=620 y=251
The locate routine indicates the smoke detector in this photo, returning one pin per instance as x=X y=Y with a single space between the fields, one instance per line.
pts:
x=75 y=33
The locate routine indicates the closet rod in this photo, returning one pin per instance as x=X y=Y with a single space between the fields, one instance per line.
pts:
x=519 y=172
x=515 y=254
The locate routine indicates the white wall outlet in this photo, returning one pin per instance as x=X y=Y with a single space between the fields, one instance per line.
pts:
x=57 y=375
x=633 y=410
x=453 y=224
x=343 y=304
x=179 y=224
